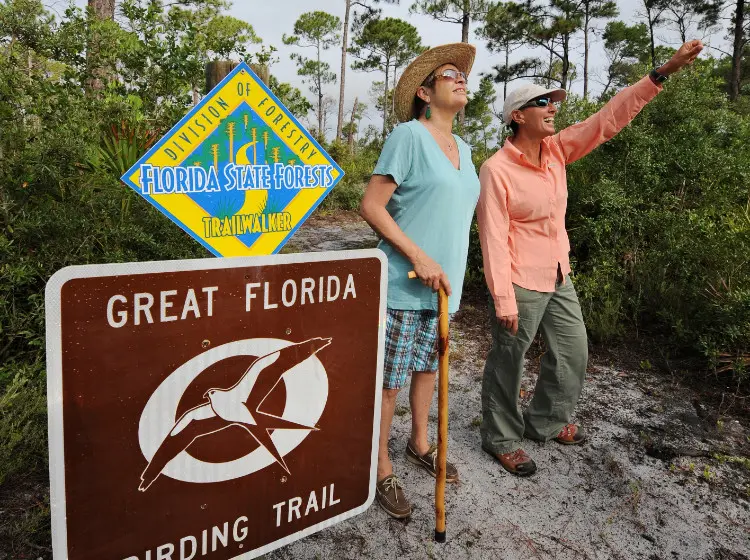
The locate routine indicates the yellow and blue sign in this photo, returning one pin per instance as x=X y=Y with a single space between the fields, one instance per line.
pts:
x=239 y=173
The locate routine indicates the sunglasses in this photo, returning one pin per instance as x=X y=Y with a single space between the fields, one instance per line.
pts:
x=449 y=74
x=541 y=102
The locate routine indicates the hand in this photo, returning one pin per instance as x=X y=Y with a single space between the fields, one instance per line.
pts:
x=430 y=273
x=509 y=322
x=685 y=55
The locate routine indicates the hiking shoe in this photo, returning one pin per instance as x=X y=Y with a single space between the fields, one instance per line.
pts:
x=391 y=497
x=571 y=434
x=516 y=462
x=428 y=462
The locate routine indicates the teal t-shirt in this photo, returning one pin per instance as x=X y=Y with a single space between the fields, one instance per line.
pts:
x=433 y=205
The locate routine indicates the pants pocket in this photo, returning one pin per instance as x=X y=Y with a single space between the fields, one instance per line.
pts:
x=527 y=298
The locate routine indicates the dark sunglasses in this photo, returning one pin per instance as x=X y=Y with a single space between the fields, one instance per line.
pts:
x=541 y=102
x=449 y=74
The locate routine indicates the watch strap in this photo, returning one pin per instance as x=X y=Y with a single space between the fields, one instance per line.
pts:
x=658 y=78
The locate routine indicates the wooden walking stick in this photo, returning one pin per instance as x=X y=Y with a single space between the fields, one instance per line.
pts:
x=442 y=452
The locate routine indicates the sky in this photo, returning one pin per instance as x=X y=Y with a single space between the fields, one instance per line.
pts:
x=271 y=19
x=270 y=24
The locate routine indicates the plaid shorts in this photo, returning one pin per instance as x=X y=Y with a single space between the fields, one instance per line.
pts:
x=411 y=338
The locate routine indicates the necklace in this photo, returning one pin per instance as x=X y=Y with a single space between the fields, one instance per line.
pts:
x=450 y=144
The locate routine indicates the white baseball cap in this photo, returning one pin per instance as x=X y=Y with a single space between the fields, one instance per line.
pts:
x=525 y=93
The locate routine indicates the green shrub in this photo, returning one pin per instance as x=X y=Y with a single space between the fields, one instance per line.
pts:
x=23 y=420
x=347 y=194
x=659 y=221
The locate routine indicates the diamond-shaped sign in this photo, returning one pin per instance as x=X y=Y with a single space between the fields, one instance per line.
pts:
x=239 y=173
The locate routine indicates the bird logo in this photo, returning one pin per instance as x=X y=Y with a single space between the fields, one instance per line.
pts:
x=238 y=405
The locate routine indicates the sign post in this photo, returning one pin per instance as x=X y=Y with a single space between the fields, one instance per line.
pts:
x=213 y=408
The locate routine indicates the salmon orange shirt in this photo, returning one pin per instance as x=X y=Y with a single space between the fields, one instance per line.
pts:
x=521 y=210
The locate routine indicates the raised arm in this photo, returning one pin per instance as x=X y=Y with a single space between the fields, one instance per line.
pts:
x=579 y=139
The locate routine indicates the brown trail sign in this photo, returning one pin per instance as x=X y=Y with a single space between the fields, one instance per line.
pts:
x=214 y=408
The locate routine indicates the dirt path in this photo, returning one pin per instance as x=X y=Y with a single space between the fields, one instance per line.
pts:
x=659 y=479
x=344 y=231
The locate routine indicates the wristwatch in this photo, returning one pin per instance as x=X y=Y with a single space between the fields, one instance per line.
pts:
x=656 y=77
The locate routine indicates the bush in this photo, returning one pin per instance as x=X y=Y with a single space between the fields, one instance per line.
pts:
x=659 y=222
x=23 y=420
x=347 y=194
x=56 y=210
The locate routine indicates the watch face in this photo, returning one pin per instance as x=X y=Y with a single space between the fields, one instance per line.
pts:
x=658 y=77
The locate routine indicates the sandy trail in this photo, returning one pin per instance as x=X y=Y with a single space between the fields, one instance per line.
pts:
x=647 y=485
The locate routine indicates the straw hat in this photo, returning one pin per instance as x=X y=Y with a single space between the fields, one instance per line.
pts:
x=459 y=54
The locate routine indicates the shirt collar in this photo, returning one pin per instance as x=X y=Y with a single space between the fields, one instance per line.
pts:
x=519 y=157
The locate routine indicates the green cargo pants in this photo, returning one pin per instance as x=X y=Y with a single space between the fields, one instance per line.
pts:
x=562 y=371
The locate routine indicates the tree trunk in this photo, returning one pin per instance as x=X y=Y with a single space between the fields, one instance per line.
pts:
x=565 y=62
x=344 y=42
x=385 y=97
x=549 y=70
x=320 y=114
x=395 y=81
x=651 y=23
x=350 y=136
x=465 y=22
x=586 y=54
x=507 y=61
x=101 y=10
x=320 y=100
x=217 y=71
x=359 y=127
x=682 y=24
x=262 y=71
x=734 y=81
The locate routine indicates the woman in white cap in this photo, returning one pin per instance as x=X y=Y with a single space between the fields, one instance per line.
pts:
x=420 y=201
x=521 y=216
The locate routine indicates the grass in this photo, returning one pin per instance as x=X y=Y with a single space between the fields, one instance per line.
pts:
x=636 y=493
x=708 y=474
x=23 y=427
x=24 y=492
x=742 y=461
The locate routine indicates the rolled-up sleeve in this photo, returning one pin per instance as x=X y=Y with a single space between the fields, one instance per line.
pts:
x=579 y=139
x=494 y=223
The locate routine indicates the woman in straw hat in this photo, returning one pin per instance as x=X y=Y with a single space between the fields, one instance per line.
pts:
x=420 y=200
x=525 y=247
